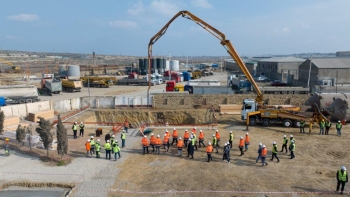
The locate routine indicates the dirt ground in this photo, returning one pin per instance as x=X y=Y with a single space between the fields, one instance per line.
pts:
x=317 y=158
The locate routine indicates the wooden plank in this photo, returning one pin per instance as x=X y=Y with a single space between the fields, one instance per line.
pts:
x=47 y=114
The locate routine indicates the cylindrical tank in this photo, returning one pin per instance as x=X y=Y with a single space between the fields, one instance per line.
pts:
x=164 y=64
x=154 y=65
x=73 y=71
x=62 y=70
x=174 y=65
x=339 y=110
x=142 y=65
x=18 y=91
x=325 y=100
x=167 y=65
x=146 y=67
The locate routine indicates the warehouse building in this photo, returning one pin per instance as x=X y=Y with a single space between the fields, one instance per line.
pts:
x=250 y=63
x=335 y=68
x=342 y=54
x=280 y=68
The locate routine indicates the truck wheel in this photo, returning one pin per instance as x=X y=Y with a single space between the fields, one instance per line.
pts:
x=297 y=123
x=29 y=101
x=36 y=100
x=287 y=123
x=266 y=122
x=252 y=121
x=21 y=101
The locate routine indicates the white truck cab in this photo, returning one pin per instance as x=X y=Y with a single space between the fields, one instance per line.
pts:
x=249 y=105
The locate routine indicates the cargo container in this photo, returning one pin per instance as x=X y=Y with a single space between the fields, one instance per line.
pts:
x=19 y=94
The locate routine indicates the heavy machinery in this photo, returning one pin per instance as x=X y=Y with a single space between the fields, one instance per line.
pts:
x=14 y=68
x=52 y=86
x=98 y=82
x=18 y=94
x=253 y=110
x=71 y=85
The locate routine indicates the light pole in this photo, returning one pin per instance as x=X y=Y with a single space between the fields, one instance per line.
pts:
x=308 y=81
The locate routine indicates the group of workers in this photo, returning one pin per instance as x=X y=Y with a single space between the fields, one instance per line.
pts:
x=325 y=125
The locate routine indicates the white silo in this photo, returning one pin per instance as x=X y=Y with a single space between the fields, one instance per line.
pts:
x=73 y=72
x=174 y=65
x=167 y=65
x=62 y=71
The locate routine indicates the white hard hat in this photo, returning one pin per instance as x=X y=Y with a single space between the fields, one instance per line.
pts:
x=166 y=131
x=213 y=135
x=274 y=142
x=75 y=122
x=195 y=127
x=113 y=136
x=217 y=130
x=81 y=122
x=209 y=143
x=88 y=140
x=144 y=136
x=174 y=129
x=343 y=168
x=260 y=144
x=158 y=135
x=98 y=140
x=116 y=140
x=152 y=134
x=247 y=134
x=200 y=131
x=107 y=140
x=338 y=120
x=241 y=137
x=180 y=138
x=225 y=144
x=263 y=146
x=284 y=136
x=292 y=141
x=164 y=134
x=92 y=136
x=291 y=135
x=186 y=130
x=230 y=131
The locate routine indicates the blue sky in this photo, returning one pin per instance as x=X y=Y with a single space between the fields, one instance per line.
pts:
x=121 y=27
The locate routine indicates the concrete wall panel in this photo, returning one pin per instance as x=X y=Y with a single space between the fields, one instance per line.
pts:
x=62 y=106
x=7 y=110
x=75 y=103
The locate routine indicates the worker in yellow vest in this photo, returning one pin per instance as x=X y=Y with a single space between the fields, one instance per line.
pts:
x=108 y=148
x=75 y=129
x=342 y=178
x=92 y=145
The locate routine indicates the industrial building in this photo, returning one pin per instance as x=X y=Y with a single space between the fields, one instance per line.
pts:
x=342 y=54
x=250 y=63
x=336 y=68
x=280 y=68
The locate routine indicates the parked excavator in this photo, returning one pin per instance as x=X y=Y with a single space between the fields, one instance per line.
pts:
x=14 y=68
x=253 y=110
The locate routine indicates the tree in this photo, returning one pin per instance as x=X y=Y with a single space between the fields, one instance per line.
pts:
x=20 y=134
x=2 y=120
x=44 y=131
x=30 y=135
x=62 y=140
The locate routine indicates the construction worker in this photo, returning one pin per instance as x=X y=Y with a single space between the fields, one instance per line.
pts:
x=108 y=149
x=259 y=153
x=194 y=130
x=126 y=125
x=328 y=126
x=263 y=155
x=112 y=139
x=175 y=135
x=246 y=141
x=145 y=144
x=186 y=137
x=81 y=126
x=168 y=135
x=92 y=144
x=209 y=150
x=195 y=139
x=215 y=143
x=116 y=150
x=311 y=122
x=227 y=152
x=284 y=144
x=165 y=142
x=75 y=128
x=291 y=138
x=98 y=148
x=241 y=145
x=342 y=178
x=7 y=147
x=158 y=143
x=322 y=126
x=190 y=148
x=338 y=127
x=274 y=152
x=123 y=137
x=180 y=145
x=302 y=125
x=292 y=149
x=201 y=138
x=152 y=142
x=88 y=148
x=217 y=135
x=224 y=153
x=230 y=139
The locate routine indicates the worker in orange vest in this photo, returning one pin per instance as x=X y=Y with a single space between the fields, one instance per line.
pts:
x=126 y=125
x=158 y=143
x=201 y=138
x=180 y=145
x=217 y=135
x=186 y=137
x=168 y=135
x=145 y=144
x=88 y=148
x=166 y=142
x=241 y=145
x=209 y=150
x=194 y=129
x=152 y=142
x=246 y=141
x=263 y=155
x=175 y=135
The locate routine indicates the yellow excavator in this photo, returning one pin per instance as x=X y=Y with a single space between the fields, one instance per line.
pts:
x=253 y=110
x=15 y=68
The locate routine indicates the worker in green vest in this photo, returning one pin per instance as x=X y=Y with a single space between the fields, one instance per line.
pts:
x=322 y=126
x=339 y=126
x=284 y=144
x=230 y=139
x=274 y=152
x=92 y=145
x=342 y=178
x=75 y=128
x=123 y=137
x=292 y=149
x=328 y=126
x=98 y=148
x=108 y=149
x=81 y=126
x=116 y=150
x=112 y=142
x=215 y=143
x=302 y=125
x=194 y=136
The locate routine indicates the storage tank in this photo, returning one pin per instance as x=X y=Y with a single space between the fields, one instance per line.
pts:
x=62 y=70
x=164 y=64
x=146 y=67
x=154 y=65
x=142 y=66
x=174 y=65
x=325 y=100
x=159 y=65
x=73 y=71
x=167 y=65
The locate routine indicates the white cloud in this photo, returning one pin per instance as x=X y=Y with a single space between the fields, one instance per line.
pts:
x=305 y=25
x=24 y=17
x=123 y=24
x=136 y=9
x=10 y=37
x=164 y=7
x=285 y=30
x=201 y=3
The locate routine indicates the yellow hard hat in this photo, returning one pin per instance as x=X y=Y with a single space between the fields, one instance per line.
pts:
x=7 y=139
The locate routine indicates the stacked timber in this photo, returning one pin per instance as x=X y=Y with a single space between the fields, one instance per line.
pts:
x=11 y=120
x=34 y=116
x=230 y=109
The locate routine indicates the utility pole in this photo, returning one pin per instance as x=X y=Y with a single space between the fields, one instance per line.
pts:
x=308 y=81
x=93 y=64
